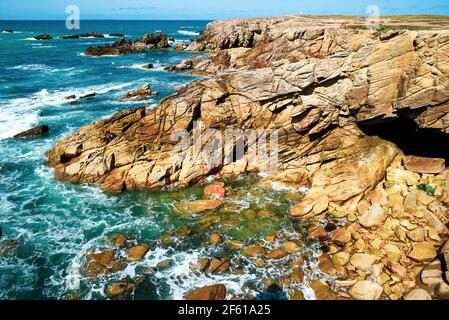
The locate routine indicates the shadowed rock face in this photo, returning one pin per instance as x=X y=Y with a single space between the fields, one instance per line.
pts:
x=310 y=85
x=122 y=46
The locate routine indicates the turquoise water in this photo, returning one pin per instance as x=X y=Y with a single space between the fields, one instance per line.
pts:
x=57 y=223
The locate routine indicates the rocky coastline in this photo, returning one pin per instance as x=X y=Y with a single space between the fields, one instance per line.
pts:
x=316 y=82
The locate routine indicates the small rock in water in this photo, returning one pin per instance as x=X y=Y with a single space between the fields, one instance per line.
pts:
x=119 y=240
x=164 y=264
x=326 y=265
x=317 y=232
x=116 y=35
x=121 y=290
x=215 y=238
x=44 y=36
x=213 y=292
x=215 y=191
x=277 y=254
x=33 y=132
x=253 y=250
x=8 y=31
x=322 y=290
x=148 y=66
x=8 y=247
x=70 y=97
x=89 y=95
x=137 y=253
x=290 y=246
x=104 y=258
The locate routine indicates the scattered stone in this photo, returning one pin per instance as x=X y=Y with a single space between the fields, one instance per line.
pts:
x=424 y=165
x=213 y=292
x=296 y=295
x=417 y=294
x=137 y=253
x=297 y=275
x=164 y=264
x=33 y=132
x=341 y=236
x=121 y=290
x=254 y=250
x=322 y=290
x=104 y=258
x=218 y=265
x=94 y=269
x=118 y=266
x=366 y=290
x=317 y=232
x=341 y=259
x=326 y=265
x=215 y=191
x=363 y=261
x=423 y=252
x=199 y=206
x=215 y=238
x=276 y=254
x=373 y=217
x=119 y=240
x=290 y=246
x=417 y=235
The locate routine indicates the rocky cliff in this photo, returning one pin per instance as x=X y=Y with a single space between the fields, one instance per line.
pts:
x=313 y=82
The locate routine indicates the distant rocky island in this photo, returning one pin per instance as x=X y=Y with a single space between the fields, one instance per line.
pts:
x=325 y=85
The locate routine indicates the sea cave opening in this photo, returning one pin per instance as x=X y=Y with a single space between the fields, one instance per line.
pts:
x=411 y=139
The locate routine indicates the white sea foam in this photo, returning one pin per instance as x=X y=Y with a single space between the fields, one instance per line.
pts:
x=188 y=33
x=17 y=115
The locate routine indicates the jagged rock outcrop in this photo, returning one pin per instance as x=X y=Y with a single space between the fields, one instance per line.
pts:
x=122 y=46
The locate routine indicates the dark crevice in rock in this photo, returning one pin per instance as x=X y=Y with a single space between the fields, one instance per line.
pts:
x=411 y=139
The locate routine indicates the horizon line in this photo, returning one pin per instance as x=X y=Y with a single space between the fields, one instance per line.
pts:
x=205 y=19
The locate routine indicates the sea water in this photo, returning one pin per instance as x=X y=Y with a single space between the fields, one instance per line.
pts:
x=57 y=223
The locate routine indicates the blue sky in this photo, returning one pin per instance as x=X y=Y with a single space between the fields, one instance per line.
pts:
x=209 y=9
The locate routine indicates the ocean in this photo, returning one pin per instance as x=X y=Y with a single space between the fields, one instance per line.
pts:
x=54 y=224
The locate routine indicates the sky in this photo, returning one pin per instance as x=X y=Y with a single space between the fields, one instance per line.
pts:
x=208 y=9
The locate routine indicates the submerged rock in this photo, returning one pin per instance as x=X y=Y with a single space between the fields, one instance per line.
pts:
x=148 y=66
x=8 y=247
x=116 y=35
x=121 y=290
x=33 y=132
x=213 y=292
x=8 y=31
